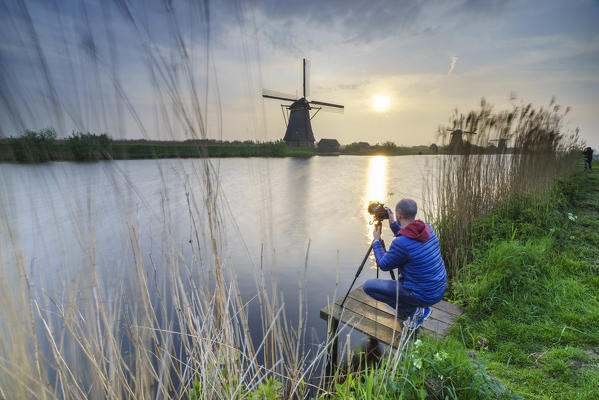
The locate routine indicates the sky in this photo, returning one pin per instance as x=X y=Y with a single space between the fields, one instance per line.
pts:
x=177 y=70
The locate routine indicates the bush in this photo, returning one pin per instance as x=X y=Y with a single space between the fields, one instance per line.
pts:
x=90 y=147
x=34 y=146
x=430 y=369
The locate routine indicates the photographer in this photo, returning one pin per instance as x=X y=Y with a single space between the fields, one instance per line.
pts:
x=415 y=252
x=588 y=158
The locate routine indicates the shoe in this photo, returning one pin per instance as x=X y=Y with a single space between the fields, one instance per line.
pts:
x=418 y=317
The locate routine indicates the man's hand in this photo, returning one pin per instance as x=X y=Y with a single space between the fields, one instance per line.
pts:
x=376 y=233
x=391 y=216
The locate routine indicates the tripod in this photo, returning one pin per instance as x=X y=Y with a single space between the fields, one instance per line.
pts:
x=377 y=225
x=335 y=323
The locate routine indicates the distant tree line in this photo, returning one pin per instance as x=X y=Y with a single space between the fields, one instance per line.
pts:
x=43 y=146
x=386 y=149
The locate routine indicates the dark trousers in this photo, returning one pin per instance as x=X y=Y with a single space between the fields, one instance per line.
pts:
x=588 y=163
x=393 y=293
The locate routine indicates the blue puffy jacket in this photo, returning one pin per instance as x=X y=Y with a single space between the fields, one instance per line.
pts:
x=418 y=257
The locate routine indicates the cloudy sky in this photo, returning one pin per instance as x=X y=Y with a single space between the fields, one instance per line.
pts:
x=159 y=70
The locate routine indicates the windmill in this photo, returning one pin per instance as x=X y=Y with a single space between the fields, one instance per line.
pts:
x=501 y=144
x=457 y=141
x=298 y=119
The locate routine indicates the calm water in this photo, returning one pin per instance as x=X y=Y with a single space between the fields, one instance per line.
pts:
x=61 y=215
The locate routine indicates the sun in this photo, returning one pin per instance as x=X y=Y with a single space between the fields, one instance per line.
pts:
x=381 y=102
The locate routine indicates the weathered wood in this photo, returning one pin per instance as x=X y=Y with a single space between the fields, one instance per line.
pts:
x=438 y=311
x=378 y=320
x=374 y=314
x=449 y=308
x=360 y=323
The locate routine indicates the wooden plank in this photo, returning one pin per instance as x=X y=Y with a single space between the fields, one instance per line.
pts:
x=438 y=311
x=378 y=320
x=440 y=328
x=450 y=308
x=360 y=323
x=373 y=314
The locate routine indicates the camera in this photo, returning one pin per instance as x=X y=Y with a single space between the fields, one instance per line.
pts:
x=378 y=211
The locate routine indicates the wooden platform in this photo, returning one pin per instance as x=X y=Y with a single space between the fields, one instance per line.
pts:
x=377 y=319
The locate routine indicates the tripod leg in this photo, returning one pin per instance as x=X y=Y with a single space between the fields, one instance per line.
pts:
x=357 y=274
x=377 y=267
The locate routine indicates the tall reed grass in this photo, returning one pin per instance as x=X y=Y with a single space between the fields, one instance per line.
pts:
x=178 y=324
x=469 y=184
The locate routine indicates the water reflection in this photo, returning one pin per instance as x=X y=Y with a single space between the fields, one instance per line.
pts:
x=376 y=189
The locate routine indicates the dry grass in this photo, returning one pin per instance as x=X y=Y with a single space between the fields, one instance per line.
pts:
x=473 y=183
x=171 y=322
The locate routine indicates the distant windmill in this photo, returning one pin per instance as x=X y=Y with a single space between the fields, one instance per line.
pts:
x=501 y=144
x=456 y=138
x=299 y=128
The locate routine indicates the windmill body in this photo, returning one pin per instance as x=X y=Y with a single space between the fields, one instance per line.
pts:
x=299 y=129
x=501 y=144
x=457 y=140
x=299 y=126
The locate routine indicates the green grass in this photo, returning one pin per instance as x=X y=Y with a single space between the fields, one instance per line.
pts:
x=532 y=291
x=430 y=369
x=531 y=294
x=35 y=147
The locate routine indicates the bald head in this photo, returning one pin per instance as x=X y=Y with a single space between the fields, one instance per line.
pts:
x=406 y=208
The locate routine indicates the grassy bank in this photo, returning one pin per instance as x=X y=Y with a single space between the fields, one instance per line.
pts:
x=43 y=146
x=532 y=292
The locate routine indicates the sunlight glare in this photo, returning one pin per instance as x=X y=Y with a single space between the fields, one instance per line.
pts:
x=381 y=102
x=376 y=189
x=377 y=179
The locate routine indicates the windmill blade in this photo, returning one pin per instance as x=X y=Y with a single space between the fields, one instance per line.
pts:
x=320 y=103
x=330 y=109
x=306 y=78
x=271 y=94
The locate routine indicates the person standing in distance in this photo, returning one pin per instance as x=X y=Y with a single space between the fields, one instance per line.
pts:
x=416 y=253
x=588 y=159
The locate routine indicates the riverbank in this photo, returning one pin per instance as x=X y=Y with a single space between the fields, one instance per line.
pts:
x=43 y=145
x=531 y=295
x=532 y=292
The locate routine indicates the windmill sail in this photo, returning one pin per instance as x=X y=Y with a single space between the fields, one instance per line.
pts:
x=306 y=78
x=272 y=94
x=299 y=128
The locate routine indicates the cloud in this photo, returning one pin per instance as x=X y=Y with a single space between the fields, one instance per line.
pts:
x=339 y=21
x=353 y=86
x=454 y=60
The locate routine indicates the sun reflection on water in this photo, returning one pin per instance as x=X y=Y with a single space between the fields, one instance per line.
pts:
x=376 y=189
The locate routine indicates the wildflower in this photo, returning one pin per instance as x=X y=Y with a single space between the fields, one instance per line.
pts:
x=472 y=355
x=440 y=355
x=417 y=343
x=418 y=363
x=483 y=342
x=572 y=217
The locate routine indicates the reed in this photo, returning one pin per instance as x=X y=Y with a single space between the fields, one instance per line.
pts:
x=470 y=184
x=173 y=324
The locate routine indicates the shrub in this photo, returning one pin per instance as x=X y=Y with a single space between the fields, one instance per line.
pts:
x=90 y=147
x=34 y=146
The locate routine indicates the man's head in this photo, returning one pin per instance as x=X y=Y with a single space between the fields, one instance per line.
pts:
x=406 y=209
